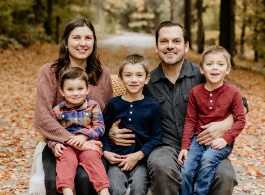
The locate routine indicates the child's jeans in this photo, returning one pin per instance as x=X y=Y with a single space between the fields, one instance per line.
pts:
x=137 y=178
x=200 y=167
x=90 y=160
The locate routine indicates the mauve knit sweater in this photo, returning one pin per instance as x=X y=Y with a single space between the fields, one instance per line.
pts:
x=48 y=96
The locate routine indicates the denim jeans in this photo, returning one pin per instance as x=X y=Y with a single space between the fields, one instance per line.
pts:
x=200 y=167
x=137 y=178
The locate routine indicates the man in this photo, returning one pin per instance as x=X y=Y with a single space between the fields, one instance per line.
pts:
x=170 y=85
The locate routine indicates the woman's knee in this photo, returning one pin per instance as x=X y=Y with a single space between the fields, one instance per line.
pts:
x=82 y=182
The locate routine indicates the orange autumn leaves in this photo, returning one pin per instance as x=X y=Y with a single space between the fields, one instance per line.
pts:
x=19 y=72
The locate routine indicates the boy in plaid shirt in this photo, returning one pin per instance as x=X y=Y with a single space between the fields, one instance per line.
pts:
x=82 y=117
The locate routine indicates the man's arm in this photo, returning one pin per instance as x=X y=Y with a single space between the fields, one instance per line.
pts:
x=215 y=130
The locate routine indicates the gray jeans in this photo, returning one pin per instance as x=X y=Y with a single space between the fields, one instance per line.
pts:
x=165 y=175
x=137 y=179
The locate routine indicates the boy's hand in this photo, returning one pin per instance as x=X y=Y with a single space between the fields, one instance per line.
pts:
x=113 y=158
x=77 y=140
x=183 y=153
x=131 y=160
x=219 y=143
x=58 y=150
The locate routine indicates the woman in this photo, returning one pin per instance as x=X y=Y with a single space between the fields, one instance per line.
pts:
x=78 y=49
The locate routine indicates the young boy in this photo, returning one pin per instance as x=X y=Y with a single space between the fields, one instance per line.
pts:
x=209 y=102
x=139 y=113
x=83 y=118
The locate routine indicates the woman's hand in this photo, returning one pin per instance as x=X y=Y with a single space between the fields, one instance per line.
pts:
x=113 y=158
x=215 y=130
x=90 y=145
x=219 y=144
x=77 y=140
x=121 y=137
x=182 y=154
x=131 y=160
x=58 y=150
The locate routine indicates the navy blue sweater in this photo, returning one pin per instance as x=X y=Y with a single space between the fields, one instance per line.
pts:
x=142 y=116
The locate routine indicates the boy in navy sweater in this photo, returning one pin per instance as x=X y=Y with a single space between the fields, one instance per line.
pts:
x=142 y=115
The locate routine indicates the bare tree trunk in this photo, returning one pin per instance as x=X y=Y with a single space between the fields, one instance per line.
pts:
x=242 y=37
x=47 y=24
x=187 y=19
x=58 y=21
x=173 y=12
x=156 y=19
x=38 y=12
x=200 y=35
x=227 y=26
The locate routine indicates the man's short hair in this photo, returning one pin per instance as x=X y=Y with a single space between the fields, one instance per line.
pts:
x=170 y=24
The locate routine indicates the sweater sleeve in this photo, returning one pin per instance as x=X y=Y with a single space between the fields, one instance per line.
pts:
x=190 y=122
x=148 y=147
x=239 y=119
x=44 y=119
x=108 y=90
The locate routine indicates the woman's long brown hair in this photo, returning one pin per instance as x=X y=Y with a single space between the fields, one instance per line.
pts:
x=93 y=68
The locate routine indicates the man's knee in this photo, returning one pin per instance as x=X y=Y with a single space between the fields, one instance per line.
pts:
x=224 y=179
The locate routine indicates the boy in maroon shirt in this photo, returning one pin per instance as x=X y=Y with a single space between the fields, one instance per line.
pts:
x=209 y=102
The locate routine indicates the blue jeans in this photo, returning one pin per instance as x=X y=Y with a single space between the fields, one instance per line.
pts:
x=137 y=178
x=200 y=167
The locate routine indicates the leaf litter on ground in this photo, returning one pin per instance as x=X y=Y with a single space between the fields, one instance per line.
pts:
x=18 y=137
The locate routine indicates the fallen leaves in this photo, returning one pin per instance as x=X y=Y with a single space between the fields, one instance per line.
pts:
x=19 y=72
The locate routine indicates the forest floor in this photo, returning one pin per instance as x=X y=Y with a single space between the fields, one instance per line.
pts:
x=18 y=137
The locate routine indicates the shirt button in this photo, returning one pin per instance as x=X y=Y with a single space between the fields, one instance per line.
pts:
x=211 y=94
x=211 y=100
x=211 y=108
x=76 y=119
x=131 y=112
x=130 y=119
x=131 y=106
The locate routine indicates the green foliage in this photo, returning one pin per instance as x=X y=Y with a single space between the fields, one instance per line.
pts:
x=254 y=18
x=15 y=19
x=18 y=19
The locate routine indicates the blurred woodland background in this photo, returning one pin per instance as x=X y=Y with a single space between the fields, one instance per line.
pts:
x=238 y=25
x=30 y=31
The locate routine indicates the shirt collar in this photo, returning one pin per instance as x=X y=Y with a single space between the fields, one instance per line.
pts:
x=186 y=70
x=80 y=107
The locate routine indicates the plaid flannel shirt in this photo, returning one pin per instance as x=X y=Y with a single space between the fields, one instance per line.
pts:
x=85 y=119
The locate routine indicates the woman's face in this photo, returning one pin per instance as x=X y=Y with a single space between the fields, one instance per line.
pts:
x=80 y=44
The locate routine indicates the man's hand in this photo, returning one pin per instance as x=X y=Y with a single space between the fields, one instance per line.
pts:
x=182 y=154
x=77 y=140
x=121 y=137
x=131 y=160
x=219 y=144
x=215 y=130
x=58 y=150
x=113 y=158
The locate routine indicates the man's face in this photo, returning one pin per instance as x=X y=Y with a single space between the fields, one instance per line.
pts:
x=171 y=47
